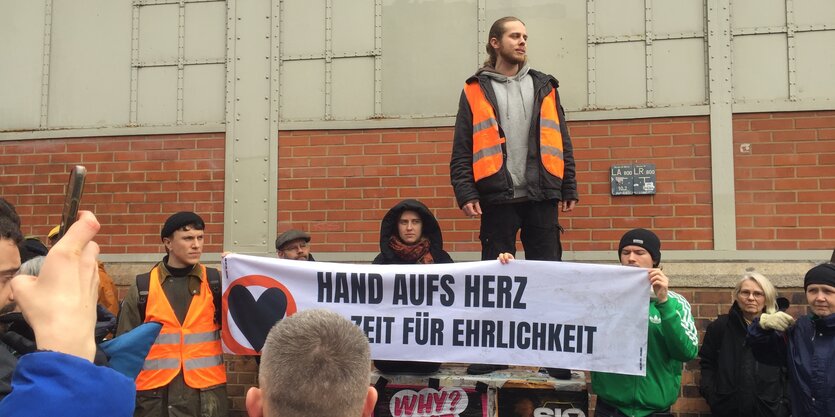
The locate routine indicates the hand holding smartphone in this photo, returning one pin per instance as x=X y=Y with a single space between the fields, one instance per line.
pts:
x=72 y=199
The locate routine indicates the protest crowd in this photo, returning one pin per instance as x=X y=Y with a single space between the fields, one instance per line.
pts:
x=69 y=347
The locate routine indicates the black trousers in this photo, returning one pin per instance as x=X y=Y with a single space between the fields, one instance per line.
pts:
x=603 y=409
x=538 y=221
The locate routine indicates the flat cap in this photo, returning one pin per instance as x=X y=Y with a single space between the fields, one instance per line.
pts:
x=289 y=236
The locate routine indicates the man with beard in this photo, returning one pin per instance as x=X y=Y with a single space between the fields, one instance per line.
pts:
x=10 y=238
x=512 y=160
x=293 y=244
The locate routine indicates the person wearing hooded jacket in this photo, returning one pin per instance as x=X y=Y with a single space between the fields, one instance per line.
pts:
x=410 y=234
x=733 y=383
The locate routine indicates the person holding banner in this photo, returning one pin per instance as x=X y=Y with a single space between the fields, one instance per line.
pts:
x=806 y=346
x=733 y=383
x=410 y=234
x=315 y=364
x=184 y=373
x=293 y=244
x=672 y=340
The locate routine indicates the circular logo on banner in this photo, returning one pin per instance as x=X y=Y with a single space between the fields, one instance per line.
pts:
x=253 y=304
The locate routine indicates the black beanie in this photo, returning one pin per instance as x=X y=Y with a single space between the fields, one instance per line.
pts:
x=645 y=239
x=179 y=220
x=821 y=274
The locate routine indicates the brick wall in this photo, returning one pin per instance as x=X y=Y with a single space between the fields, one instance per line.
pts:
x=341 y=183
x=785 y=186
x=133 y=184
x=338 y=185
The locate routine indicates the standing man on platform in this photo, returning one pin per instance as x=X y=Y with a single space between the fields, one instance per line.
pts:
x=183 y=374
x=512 y=160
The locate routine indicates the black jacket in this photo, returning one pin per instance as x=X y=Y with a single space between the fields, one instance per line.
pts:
x=499 y=187
x=732 y=381
x=8 y=362
x=431 y=230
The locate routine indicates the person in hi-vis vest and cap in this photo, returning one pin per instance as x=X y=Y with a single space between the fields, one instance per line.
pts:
x=184 y=373
x=512 y=160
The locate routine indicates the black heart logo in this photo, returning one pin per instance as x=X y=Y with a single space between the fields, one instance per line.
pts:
x=256 y=318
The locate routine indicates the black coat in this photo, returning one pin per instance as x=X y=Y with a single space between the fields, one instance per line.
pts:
x=498 y=188
x=8 y=362
x=732 y=381
x=431 y=230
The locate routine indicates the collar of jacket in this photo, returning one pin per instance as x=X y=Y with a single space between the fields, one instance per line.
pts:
x=195 y=278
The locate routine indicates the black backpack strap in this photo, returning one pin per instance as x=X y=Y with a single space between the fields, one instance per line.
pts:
x=143 y=283
x=213 y=276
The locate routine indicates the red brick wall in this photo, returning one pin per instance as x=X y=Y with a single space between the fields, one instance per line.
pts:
x=785 y=188
x=339 y=184
x=133 y=184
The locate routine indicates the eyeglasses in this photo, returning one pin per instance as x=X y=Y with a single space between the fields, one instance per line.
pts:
x=756 y=294
x=295 y=248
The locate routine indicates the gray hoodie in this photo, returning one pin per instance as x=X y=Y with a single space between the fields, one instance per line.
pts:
x=514 y=96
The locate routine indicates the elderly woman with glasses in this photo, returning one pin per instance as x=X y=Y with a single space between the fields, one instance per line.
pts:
x=733 y=382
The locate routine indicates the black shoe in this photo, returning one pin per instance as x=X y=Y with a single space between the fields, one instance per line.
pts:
x=483 y=368
x=558 y=373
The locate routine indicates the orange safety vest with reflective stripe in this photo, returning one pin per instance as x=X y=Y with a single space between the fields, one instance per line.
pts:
x=193 y=347
x=487 y=142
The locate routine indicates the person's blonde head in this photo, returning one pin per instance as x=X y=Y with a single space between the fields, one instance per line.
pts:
x=770 y=303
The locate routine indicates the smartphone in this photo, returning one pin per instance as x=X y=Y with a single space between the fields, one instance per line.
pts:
x=72 y=199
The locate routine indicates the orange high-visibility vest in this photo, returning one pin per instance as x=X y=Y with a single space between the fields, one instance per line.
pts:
x=487 y=143
x=193 y=347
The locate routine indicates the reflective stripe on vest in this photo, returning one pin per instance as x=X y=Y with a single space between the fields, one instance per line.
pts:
x=487 y=143
x=193 y=347
x=550 y=136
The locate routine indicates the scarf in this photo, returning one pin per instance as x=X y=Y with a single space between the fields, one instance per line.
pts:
x=417 y=253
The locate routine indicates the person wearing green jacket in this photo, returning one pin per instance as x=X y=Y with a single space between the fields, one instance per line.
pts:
x=672 y=340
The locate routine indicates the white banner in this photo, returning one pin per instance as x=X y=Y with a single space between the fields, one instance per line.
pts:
x=535 y=313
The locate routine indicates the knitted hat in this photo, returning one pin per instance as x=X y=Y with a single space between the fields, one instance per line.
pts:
x=821 y=274
x=179 y=220
x=645 y=239
x=289 y=236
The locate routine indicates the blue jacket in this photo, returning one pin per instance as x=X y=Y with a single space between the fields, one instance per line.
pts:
x=57 y=384
x=808 y=350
